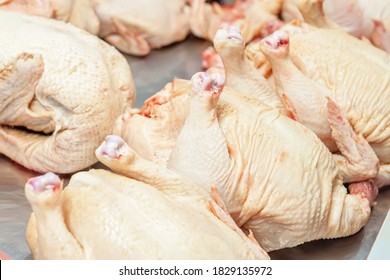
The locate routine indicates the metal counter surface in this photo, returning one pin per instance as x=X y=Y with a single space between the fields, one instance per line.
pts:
x=151 y=73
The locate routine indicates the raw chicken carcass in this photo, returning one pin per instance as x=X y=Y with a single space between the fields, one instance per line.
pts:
x=134 y=27
x=254 y=17
x=275 y=176
x=61 y=90
x=154 y=214
x=78 y=12
x=360 y=18
x=363 y=18
x=311 y=63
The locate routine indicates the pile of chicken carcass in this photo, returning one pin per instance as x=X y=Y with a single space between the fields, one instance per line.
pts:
x=278 y=143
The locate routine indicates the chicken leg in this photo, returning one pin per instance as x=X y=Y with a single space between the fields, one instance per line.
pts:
x=101 y=215
x=240 y=75
x=201 y=138
x=49 y=231
x=296 y=90
x=310 y=103
x=118 y=156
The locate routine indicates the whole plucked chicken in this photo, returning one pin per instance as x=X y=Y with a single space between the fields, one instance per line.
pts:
x=134 y=27
x=275 y=176
x=307 y=68
x=254 y=17
x=61 y=90
x=364 y=19
x=154 y=214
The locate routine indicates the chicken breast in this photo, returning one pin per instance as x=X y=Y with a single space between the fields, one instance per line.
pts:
x=61 y=90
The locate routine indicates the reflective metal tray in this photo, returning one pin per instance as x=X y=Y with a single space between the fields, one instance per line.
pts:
x=151 y=73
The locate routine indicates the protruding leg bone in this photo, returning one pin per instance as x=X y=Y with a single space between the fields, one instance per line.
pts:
x=309 y=103
x=303 y=99
x=47 y=232
x=118 y=156
x=240 y=74
x=114 y=147
x=201 y=141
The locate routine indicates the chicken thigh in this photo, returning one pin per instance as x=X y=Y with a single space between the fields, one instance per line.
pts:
x=61 y=90
x=154 y=214
x=134 y=27
x=275 y=176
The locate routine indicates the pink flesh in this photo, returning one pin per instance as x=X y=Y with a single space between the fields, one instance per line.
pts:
x=112 y=146
x=157 y=99
x=276 y=44
x=367 y=188
x=217 y=82
x=277 y=40
x=49 y=181
x=379 y=25
x=205 y=82
x=233 y=32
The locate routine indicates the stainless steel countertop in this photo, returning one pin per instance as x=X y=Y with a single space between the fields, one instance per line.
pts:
x=151 y=74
